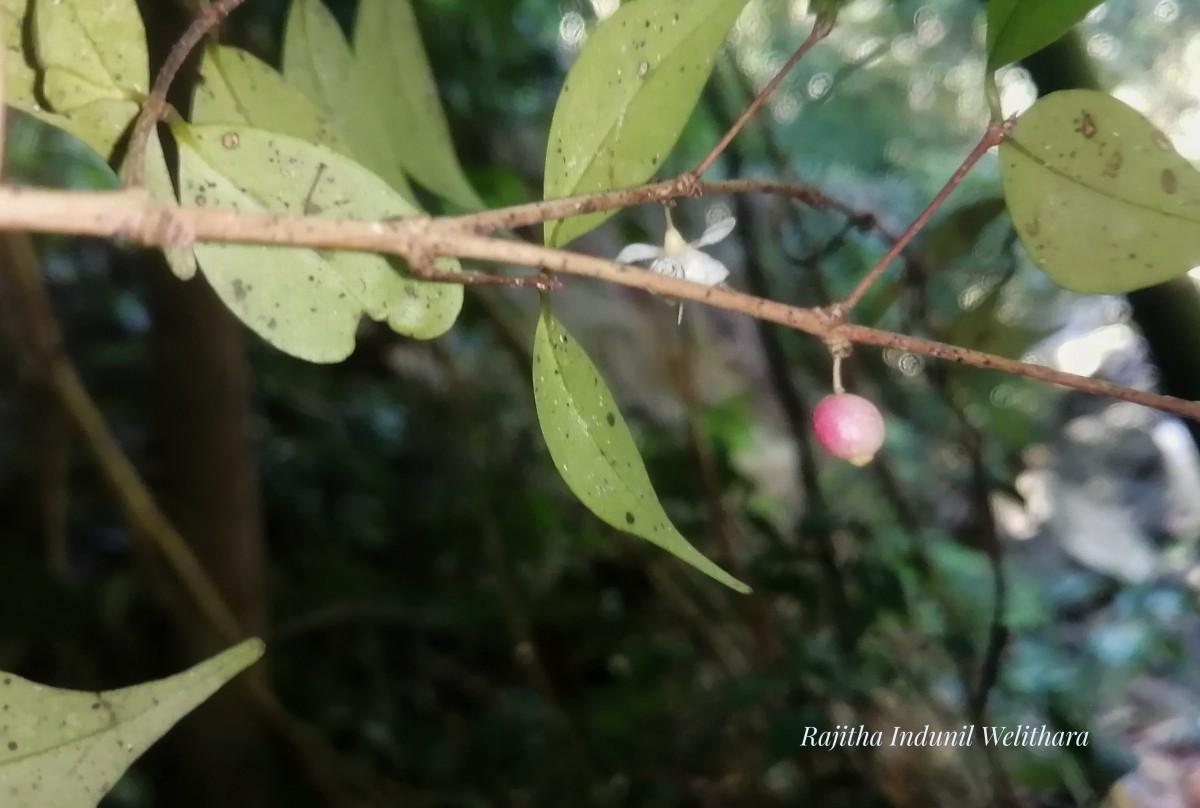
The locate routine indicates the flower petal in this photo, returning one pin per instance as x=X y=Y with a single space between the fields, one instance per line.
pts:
x=716 y=232
x=702 y=268
x=637 y=252
x=672 y=266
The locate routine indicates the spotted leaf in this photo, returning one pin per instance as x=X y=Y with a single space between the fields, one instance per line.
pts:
x=627 y=98
x=593 y=449
x=305 y=302
x=1101 y=200
x=66 y=748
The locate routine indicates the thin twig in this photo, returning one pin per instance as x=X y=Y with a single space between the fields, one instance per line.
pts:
x=531 y=213
x=154 y=108
x=995 y=133
x=820 y=30
x=133 y=214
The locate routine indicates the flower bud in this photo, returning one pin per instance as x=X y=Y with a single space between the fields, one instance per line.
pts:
x=850 y=427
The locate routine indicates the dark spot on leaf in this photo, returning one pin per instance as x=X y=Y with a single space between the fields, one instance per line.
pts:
x=1113 y=167
x=12 y=746
x=1170 y=183
x=629 y=520
x=1086 y=125
x=612 y=419
x=239 y=290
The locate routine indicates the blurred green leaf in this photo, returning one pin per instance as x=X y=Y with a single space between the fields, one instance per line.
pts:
x=66 y=748
x=91 y=51
x=1017 y=28
x=957 y=234
x=19 y=76
x=1007 y=407
x=627 y=98
x=303 y=302
x=1101 y=200
x=982 y=329
x=397 y=81
x=236 y=87
x=94 y=65
x=318 y=61
x=593 y=449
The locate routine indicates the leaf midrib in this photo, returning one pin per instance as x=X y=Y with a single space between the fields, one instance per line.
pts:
x=1104 y=193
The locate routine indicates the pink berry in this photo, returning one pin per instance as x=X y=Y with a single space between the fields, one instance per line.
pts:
x=850 y=427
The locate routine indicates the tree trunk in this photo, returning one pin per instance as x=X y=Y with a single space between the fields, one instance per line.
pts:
x=208 y=482
x=210 y=489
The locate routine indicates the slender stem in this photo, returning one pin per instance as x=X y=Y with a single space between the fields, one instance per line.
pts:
x=820 y=30
x=996 y=132
x=532 y=213
x=133 y=214
x=154 y=108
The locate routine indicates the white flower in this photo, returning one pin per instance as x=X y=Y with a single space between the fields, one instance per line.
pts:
x=681 y=259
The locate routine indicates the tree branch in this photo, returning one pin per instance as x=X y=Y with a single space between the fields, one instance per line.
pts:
x=133 y=214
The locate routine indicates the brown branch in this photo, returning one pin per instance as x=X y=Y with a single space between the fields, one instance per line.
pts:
x=154 y=108
x=820 y=30
x=132 y=214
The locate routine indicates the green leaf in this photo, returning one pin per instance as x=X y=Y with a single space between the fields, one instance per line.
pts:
x=1101 y=200
x=181 y=260
x=94 y=66
x=627 y=98
x=982 y=329
x=67 y=748
x=19 y=76
x=1017 y=28
x=236 y=87
x=396 y=78
x=317 y=61
x=91 y=51
x=827 y=9
x=593 y=449
x=304 y=302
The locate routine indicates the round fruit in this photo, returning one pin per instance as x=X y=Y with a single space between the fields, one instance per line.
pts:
x=849 y=426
